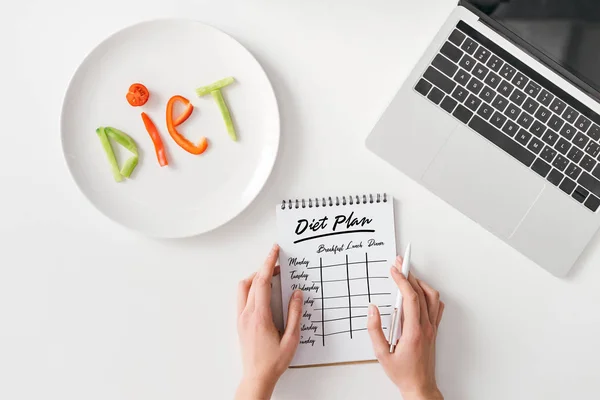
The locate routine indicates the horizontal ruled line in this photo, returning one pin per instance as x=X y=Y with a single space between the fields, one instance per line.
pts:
x=339 y=308
x=353 y=330
x=344 y=264
x=341 y=319
x=352 y=279
x=352 y=295
x=334 y=234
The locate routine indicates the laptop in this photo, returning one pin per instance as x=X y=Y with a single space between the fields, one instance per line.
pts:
x=501 y=119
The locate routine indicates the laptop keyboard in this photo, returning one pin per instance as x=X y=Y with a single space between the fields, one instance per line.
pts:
x=518 y=110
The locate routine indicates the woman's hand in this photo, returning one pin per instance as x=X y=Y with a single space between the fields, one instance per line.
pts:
x=265 y=354
x=412 y=366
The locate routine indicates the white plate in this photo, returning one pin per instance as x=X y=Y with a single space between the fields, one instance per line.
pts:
x=194 y=194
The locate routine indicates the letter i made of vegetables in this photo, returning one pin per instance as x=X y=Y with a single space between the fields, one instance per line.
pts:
x=124 y=140
x=215 y=90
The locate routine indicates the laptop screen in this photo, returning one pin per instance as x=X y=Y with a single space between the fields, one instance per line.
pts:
x=567 y=31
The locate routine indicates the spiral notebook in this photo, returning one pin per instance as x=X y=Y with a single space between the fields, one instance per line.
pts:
x=338 y=251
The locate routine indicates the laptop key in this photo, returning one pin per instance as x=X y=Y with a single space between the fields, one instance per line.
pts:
x=583 y=124
x=568 y=131
x=448 y=104
x=530 y=105
x=575 y=154
x=594 y=132
x=457 y=37
x=482 y=54
x=467 y=63
x=555 y=177
x=495 y=63
x=462 y=113
x=533 y=89
x=545 y=98
x=501 y=140
x=592 y=203
x=537 y=128
x=475 y=85
x=460 y=94
x=498 y=120
x=505 y=88
x=535 y=145
x=492 y=80
x=485 y=111
x=512 y=111
x=473 y=103
x=563 y=146
x=510 y=128
x=550 y=137
x=587 y=163
x=507 y=71
x=423 y=87
x=555 y=123
x=580 y=194
x=518 y=97
x=444 y=65
x=573 y=171
x=480 y=71
x=593 y=149
x=436 y=95
x=469 y=46
x=596 y=172
x=590 y=183
x=543 y=114
x=487 y=94
x=567 y=186
x=570 y=115
x=580 y=140
x=558 y=106
x=523 y=137
x=439 y=80
x=462 y=77
x=548 y=154
x=560 y=163
x=500 y=103
x=520 y=80
x=525 y=120
x=541 y=167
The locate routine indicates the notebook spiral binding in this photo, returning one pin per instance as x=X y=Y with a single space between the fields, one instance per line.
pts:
x=334 y=201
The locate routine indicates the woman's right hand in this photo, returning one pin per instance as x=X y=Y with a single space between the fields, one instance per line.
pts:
x=412 y=366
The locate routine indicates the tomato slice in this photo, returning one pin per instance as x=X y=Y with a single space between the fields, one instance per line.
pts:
x=138 y=95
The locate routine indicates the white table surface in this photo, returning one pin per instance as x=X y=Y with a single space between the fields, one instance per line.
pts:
x=89 y=310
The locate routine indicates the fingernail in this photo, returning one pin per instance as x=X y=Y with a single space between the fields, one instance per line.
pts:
x=297 y=295
x=399 y=258
x=394 y=270
x=275 y=247
x=372 y=308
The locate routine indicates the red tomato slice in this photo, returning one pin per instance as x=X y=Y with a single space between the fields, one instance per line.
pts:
x=138 y=95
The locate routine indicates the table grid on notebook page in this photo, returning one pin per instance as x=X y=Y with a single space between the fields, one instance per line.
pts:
x=339 y=256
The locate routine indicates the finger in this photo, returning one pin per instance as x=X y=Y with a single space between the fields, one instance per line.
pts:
x=291 y=336
x=381 y=347
x=440 y=313
x=432 y=297
x=276 y=270
x=410 y=303
x=422 y=302
x=243 y=289
x=260 y=292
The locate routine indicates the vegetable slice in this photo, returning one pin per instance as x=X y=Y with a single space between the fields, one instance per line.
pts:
x=186 y=114
x=218 y=96
x=126 y=141
x=110 y=154
x=159 y=147
x=214 y=86
x=138 y=95
x=177 y=137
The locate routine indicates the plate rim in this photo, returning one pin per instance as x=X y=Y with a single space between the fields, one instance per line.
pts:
x=197 y=232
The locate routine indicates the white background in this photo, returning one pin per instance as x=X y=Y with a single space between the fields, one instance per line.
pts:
x=89 y=310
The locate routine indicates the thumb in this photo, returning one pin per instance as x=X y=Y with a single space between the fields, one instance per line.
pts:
x=291 y=336
x=381 y=347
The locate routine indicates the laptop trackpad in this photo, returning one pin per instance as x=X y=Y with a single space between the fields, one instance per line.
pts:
x=483 y=182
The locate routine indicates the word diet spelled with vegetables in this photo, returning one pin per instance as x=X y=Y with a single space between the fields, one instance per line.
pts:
x=138 y=96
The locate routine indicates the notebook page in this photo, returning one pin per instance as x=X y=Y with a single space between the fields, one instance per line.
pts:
x=340 y=257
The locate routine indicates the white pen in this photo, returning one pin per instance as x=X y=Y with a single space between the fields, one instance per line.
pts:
x=395 y=326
